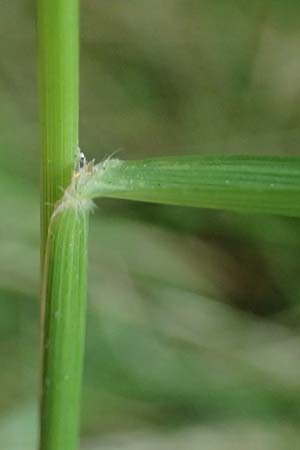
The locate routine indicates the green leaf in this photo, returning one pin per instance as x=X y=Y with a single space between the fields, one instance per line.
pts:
x=239 y=183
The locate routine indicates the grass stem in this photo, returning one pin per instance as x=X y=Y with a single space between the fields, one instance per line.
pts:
x=63 y=235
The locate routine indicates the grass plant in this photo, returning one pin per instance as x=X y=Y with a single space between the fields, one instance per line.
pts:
x=249 y=184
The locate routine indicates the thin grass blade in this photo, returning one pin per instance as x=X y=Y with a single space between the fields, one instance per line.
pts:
x=237 y=183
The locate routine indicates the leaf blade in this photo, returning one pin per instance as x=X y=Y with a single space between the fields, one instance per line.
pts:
x=239 y=183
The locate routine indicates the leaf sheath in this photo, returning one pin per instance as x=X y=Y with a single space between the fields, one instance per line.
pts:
x=64 y=300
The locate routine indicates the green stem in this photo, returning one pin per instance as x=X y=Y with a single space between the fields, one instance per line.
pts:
x=64 y=234
x=58 y=33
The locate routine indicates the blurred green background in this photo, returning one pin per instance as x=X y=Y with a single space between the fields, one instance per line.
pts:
x=193 y=315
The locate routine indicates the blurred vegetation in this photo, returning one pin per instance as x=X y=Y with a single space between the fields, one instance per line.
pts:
x=193 y=336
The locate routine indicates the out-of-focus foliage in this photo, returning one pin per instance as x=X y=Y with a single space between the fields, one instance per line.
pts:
x=192 y=338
